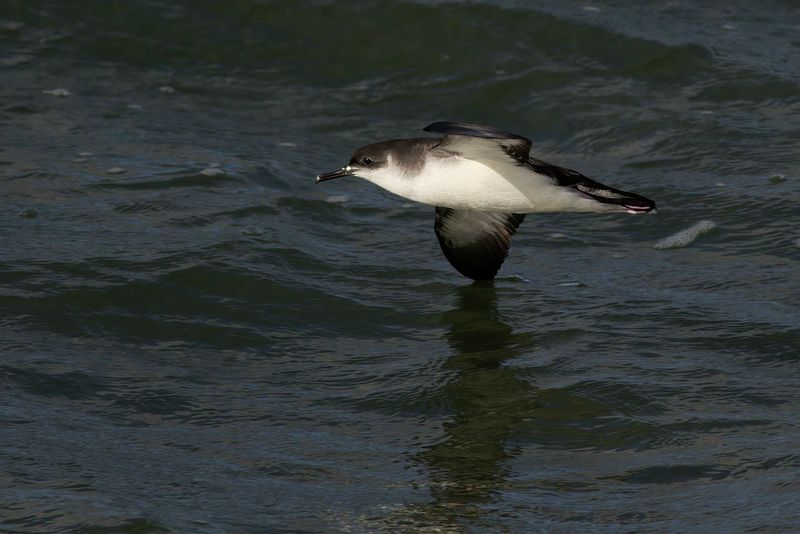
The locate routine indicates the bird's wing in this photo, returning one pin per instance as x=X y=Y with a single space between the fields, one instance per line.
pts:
x=601 y=193
x=475 y=242
x=482 y=143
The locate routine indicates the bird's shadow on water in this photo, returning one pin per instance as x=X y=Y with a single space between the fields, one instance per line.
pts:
x=489 y=401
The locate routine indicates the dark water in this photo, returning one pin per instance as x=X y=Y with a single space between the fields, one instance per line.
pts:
x=208 y=342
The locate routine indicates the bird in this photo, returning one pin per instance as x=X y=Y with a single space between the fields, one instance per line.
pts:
x=482 y=182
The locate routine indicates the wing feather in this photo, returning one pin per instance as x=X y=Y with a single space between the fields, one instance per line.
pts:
x=601 y=193
x=474 y=242
x=476 y=141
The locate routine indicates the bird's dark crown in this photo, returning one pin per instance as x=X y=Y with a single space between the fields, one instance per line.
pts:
x=409 y=154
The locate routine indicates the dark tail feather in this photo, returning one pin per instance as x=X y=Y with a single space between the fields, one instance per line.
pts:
x=608 y=195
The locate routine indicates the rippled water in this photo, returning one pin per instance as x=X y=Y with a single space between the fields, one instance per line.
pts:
x=195 y=337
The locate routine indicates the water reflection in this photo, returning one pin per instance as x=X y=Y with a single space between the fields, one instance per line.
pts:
x=489 y=402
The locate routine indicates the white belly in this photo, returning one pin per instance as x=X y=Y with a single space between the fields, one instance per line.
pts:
x=460 y=183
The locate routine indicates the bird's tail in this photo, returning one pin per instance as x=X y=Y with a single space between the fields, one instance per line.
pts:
x=630 y=202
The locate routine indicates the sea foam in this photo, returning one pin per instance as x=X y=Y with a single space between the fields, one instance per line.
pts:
x=686 y=236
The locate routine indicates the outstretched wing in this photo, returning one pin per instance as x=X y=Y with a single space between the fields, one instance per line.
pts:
x=475 y=242
x=475 y=141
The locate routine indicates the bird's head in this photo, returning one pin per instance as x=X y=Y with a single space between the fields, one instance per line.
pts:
x=369 y=162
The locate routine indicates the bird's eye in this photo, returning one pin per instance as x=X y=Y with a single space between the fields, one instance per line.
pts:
x=366 y=161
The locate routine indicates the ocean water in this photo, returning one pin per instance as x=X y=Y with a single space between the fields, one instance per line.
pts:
x=194 y=337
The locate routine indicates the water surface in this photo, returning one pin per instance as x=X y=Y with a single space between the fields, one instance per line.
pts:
x=196 y=338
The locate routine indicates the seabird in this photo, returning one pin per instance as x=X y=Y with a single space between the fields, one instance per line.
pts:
x=482 y=181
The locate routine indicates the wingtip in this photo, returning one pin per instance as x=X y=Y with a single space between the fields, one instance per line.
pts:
x=432 y=126
x=634 y=203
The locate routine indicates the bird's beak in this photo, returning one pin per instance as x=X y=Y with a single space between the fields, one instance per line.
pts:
x=344 y=171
